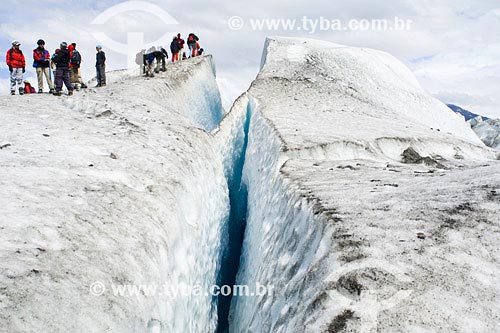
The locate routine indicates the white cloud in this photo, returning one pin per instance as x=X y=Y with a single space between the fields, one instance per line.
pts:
x=232 y=84
x=5 y=86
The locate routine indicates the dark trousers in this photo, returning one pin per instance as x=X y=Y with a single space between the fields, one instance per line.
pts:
x=101 y=74
x=62 y=75
x=160 y=64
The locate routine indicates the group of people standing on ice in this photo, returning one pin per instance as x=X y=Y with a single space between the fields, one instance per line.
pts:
x=154 y=60
x=177 y=47
x=65 y=62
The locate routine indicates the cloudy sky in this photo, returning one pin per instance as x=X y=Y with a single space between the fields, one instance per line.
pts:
x=453 y=46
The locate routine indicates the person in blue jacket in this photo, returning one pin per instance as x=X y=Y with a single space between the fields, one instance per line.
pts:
x=149 y=62
x=41 y=63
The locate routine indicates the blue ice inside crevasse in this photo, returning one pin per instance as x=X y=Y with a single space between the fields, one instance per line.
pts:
x=206 y=112
x=216 y=111
x=233 y=229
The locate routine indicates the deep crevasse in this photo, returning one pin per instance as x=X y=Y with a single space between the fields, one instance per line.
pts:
x=232 y=136
x=284 y=241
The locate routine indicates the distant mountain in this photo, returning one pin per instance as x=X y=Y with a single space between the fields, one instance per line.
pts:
x=467 y=114
x=488 y=130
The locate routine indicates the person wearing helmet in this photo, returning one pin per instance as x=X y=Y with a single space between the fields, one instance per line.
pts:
x=17 y=66
x=61 y=60
x=100 y=66
x=41 y=63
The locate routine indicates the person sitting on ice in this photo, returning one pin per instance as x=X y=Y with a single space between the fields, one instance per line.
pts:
x=28 y=88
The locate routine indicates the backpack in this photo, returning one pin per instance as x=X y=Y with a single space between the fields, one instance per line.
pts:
x=193 y=38
x=76 y=58
x=28 y=89
x=174 y=46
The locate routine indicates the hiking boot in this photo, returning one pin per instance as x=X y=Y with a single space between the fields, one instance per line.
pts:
x=12 y=92
x=21 y=91
x=83 y=86
x=70 y=93
x=98 y=85
x=57 y=93
x=40 y=91
x=51 y=91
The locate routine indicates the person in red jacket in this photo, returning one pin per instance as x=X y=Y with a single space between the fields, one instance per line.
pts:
x=193 y=45
x=181 y=42
x=17 y=66
x=41 y=63
x=75 y=74
x=28 y=88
